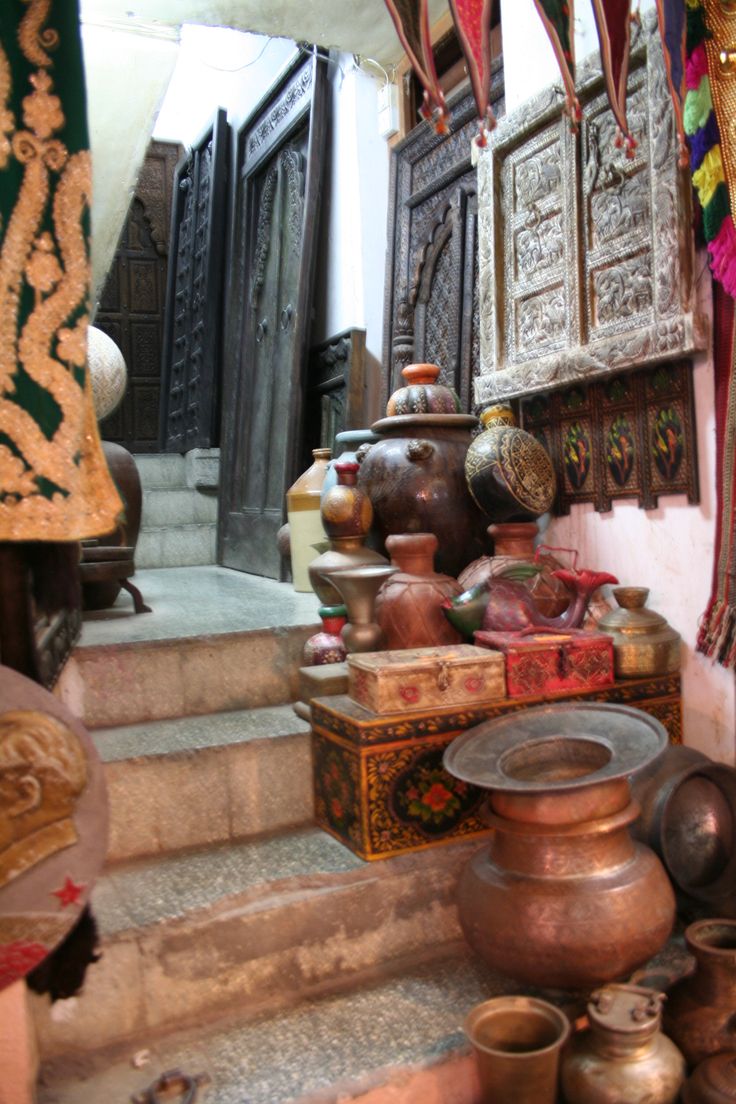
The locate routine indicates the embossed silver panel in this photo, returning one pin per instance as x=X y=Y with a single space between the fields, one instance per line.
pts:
x=585 y=257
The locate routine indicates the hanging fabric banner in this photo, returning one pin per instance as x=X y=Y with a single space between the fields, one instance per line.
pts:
x=473 y=26
x=54 y=483
x=411 y=20
x=613 y=22
x=557 y=17
x=671 y=18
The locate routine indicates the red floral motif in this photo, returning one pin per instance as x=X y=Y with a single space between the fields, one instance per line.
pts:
x=410 y=694
x=17 y=959
x=473 y=684
x=437 y=797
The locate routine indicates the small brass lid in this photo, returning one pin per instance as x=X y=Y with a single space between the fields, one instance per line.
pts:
x=632 y=618
x=626 y=1009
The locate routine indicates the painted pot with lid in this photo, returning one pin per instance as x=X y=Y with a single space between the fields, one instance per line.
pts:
x=560 y=806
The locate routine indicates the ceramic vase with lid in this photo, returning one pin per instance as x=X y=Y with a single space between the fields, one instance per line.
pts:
x=699 y=1015
x=347 y=444
x=513 y=545
x=409 y=604
x=327 y=646
x=305 y=522
x=509 y=472
x=422 y=393
x=415 y=478
x=714 y=1081
x=643 y=643
x=623 y=1056
x=560 y=806
x=346 y=517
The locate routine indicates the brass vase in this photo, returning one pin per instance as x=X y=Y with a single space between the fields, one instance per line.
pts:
x=699 y=1015
x=644 y=645
x=623 y=1056
x=358 y=587
x=562 y=897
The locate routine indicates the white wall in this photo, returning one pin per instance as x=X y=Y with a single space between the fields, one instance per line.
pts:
x=669 y=549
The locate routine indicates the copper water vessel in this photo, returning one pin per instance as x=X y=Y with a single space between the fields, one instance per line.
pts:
x=562 y=896
x=700 y=1015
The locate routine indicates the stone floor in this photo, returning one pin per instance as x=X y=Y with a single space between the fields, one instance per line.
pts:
x=195 y=601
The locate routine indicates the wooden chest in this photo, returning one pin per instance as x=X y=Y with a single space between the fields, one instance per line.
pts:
x=379 y=783
x=550 y=663
x=423 y=678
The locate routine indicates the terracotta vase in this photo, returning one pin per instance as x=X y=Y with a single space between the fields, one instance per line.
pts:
x=513 y=546
x=561 y=808
x=327 y=646
x=415 y=478
x=347 y=446
x=688 y=813
x=409 y=604
x=346 y=516
x=358 y=587
x=713 y=1082
x=699 y=1015
x=422 y=393
x=623 y=1056
x=509 y=472
x=305 y=522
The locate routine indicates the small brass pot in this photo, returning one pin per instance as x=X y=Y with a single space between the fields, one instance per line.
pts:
x=644 y=645
x=714 y=1081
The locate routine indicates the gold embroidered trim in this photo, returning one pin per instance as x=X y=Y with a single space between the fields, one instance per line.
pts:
x=52 y=343
x=722 y=26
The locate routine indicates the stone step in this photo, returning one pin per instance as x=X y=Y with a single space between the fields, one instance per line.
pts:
x=177 y=545
x=249 y=928
x=108 y=685
x=169 y=506
x=161 y=469
x=394 y=1041
x=201 y=780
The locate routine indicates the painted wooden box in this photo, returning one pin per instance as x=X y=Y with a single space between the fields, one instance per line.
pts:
x=422 y=678
x=552 y=663
x=379 y=784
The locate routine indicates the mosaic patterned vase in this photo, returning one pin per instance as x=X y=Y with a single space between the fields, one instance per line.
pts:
x=327 y=646
x=509 y=473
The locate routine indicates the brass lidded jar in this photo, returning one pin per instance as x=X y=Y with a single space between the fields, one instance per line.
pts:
x=644 y=644
x=623 y=1056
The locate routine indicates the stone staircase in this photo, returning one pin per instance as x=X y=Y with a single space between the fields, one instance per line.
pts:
x=179 y=518
x=231 y=926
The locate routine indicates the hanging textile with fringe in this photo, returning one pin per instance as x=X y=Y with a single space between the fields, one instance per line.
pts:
x=472 y=20
x=613 y=23
x=411 y=20
x=671 y=19
x=54 y=483
x=558 y=18
x=710 y=106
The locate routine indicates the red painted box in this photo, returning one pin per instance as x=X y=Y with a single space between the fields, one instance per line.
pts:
x=552 y=663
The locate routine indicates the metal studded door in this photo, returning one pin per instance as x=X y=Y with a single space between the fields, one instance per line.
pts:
x=190 y=370
x=275 y=216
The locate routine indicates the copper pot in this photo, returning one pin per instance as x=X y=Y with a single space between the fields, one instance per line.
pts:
x=688 y=813
x=700 y=1012
x=415 y=478
x=563 y=896
x=714 y=1081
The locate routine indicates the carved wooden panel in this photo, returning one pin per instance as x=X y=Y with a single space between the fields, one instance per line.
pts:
x=132 y=301
x=630 y=436
x=586 y=257
x=190 y=372
x=335 y=396
x=275 y=217
x=431 y=309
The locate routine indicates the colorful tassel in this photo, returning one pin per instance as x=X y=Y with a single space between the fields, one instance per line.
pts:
x=722 y=251
x=696 y=67
x=702 y=140
x=710 y=174
x=698 y=106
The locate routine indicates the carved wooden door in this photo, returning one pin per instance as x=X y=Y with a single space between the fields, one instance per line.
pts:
x=131 y=307
x=431 y=308
x=190 y=371
x=275 y=216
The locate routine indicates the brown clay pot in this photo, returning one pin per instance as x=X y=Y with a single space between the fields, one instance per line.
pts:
x=97 y=595
x=409 y=604
x=513 y=545
x=563 y=896
x=700 y=1012
x=415 y=478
